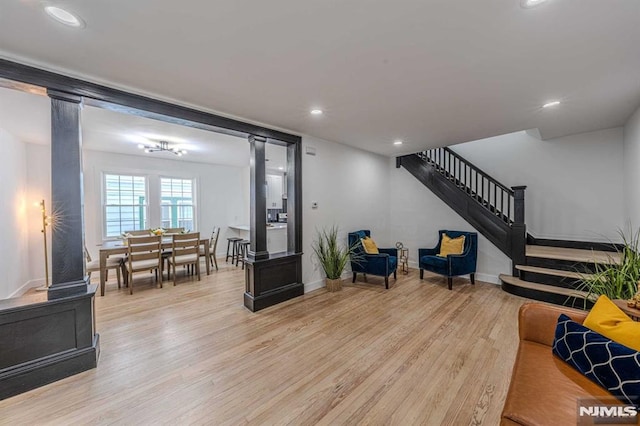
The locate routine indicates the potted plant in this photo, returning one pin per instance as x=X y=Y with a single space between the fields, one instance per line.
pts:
x=616 y=280
x=333 y=257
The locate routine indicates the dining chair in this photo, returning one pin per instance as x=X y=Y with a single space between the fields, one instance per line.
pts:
x=144 y=254
x=185 y=250
x=172 y=231
x=113 y=262
x=138 y=233
x=213 y=244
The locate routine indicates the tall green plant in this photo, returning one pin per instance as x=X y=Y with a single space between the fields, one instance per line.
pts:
x=616 y=281
x=332 y=256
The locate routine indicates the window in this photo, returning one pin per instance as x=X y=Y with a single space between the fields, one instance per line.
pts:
x=125 y=205
x=176 y=198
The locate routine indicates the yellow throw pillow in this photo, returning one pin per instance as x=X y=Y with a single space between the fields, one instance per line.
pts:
x=451 y=245
x=609 y=320
x=369 y=246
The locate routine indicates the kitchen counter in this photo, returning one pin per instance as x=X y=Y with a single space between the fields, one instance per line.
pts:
x=270 y=226
x=276 y=237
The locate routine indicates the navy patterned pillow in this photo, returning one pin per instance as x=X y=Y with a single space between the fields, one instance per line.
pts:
x=611 y=365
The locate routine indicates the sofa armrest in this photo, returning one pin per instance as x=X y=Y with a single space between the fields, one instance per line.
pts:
x=537 y=321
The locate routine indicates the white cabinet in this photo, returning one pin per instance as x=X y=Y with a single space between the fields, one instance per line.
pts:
x=274 y=191
x=277 y=239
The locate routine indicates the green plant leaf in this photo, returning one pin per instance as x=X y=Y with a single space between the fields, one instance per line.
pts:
x=616 y=281
x=332 y=256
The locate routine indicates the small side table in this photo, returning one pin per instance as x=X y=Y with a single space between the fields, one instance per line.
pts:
x=403 y=260
x=632 y=312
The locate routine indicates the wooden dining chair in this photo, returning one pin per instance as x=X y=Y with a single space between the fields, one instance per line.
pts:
x=113 y=262
x=144 y=254
x=213 y=243
x=185 y=251
x=173 y=231
x=138 y=233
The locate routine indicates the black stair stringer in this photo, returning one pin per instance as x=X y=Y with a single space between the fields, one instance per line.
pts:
x=466 y=205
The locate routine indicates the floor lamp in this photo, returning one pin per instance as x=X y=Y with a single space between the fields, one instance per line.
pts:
x=45 y=223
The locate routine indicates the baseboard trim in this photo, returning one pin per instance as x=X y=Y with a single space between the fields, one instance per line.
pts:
x=487 y=278
x=27 y=286
x=314 y=285
x=318 y=284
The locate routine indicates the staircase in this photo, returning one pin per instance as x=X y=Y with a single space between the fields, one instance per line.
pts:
x=547 y=270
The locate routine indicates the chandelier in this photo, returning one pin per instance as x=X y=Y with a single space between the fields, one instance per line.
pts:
x=162 y=146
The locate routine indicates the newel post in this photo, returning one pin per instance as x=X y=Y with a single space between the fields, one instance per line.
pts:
x=518 y=230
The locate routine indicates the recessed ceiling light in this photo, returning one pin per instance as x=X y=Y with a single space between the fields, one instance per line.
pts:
x=316 y=111
x=551 y=104
x=64 y=16
x=280 y=168
x=528 y=4
x=397 y=143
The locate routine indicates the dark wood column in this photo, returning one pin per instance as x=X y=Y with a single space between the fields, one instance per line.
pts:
x=48 y=337
x=518 y=230
x=271 y=279
x=67 y=232
x=258 y=191
x=294 y=198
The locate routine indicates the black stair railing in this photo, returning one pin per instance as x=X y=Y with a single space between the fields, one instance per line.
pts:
x=505 y=205
x=479 y=185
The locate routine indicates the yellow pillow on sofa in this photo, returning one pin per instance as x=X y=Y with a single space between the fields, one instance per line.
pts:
x=609 y=320
x=369 y=246
x=451 y=245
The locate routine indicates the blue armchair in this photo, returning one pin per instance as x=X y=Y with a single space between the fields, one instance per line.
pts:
x=383 y=264
x=452 y=265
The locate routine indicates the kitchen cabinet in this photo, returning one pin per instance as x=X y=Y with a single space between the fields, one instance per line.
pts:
x=277 y=239
x=274 y=191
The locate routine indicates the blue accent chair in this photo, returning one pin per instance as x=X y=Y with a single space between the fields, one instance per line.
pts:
x=452 y=265
x=383 y=264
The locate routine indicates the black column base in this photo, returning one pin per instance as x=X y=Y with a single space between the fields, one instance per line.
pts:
x=46 y=340
x=272 y=281
x=257 y=255
x=57 y=291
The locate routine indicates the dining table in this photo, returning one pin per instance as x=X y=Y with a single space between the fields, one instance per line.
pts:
x=114 y=247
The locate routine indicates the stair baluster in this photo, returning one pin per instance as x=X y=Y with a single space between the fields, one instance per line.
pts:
x=480 y=188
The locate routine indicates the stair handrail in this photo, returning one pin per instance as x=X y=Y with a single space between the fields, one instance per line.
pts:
x=422 y=154
x=453 y=165
x=436 y=166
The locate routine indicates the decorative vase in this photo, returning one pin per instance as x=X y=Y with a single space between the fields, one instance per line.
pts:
x=333 y=285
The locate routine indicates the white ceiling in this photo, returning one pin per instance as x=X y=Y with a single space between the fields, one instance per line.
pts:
x=27 y=117
x=105 y=130
x=431 y=72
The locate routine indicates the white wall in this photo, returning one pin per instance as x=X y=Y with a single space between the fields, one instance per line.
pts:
x=416 y=216
x=632 y=170
x=222 y=192
x=351 y=188
x=574 y=184
x=14 y=216
x=38 y=171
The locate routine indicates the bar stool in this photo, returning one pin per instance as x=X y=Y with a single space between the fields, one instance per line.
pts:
x=234 y=249
x=242 y=251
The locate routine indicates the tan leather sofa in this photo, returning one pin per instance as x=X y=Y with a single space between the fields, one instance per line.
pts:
x=544 y=389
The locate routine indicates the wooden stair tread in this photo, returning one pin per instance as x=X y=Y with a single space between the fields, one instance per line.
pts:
x=543 y=287
x=554 y=272
x=574 y=255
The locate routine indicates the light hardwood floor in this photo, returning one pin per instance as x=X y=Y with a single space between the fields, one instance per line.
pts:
x=415 y=354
